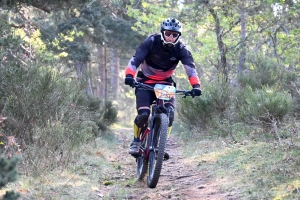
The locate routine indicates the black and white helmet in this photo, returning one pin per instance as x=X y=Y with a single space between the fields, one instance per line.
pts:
x=170 y=24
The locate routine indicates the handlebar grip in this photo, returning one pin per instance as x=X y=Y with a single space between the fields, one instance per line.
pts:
x=135 y=84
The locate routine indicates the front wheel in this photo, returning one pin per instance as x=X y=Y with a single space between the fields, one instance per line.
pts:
x=142 y=159
x=156 y=155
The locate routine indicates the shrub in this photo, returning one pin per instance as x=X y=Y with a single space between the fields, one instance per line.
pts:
x=263 y=71
x=293 y=87
x=8 y=173
x=200 y=111
x=263 y=105
x=103 y=114
x=106 y=116
x=195 y=112
x=42 y=113
x=219 y=94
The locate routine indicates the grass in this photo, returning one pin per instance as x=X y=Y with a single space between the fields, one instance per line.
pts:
x=81 y=176
x=253 y=170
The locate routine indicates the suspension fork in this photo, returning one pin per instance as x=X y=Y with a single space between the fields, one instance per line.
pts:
x=157 y=109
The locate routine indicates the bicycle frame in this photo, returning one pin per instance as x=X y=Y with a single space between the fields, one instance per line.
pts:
x=146 y=130
x=154 y=134
x=157 y=109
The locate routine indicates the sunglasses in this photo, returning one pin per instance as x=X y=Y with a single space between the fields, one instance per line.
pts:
x=168 y=34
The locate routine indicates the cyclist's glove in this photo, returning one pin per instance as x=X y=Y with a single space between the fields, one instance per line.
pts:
x=129 y=80
x=196 y=91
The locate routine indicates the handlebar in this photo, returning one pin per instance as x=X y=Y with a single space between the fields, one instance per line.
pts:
x=148 y=87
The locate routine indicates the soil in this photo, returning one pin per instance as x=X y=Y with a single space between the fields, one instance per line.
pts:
x=180 y=177
x=108 y=172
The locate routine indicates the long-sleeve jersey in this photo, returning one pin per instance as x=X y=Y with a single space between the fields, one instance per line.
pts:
x=158 y=62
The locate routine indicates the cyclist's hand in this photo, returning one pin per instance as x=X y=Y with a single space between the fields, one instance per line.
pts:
x=129 y=80
x=196 y=92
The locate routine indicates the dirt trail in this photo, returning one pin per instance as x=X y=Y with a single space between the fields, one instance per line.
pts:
x=179 y=179
x=106 y=171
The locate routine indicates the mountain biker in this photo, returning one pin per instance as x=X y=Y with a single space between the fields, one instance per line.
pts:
x=158 y=56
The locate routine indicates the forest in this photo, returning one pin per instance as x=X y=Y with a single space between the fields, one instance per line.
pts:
x=62 y=70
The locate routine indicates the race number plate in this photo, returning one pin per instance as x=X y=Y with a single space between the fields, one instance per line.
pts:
x=165 y=92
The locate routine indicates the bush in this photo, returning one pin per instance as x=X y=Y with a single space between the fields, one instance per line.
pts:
x=42 y=113
x=200 y=111
x=107 y=115
x=103 y=114
x=262 y=72
x=196 y=113
x=293 y=87
x=8 y=173
x=263 y=105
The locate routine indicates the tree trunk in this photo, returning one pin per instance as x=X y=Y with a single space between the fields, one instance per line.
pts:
x=80 y=68
x=81 y=71
x=114 y=79
x=101 y=78
x=90 y=80
x=222 y=67
x=105 y=75
x=242 y=58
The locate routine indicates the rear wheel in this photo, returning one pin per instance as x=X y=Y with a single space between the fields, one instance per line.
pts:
x=142 y=159
x=156 y=155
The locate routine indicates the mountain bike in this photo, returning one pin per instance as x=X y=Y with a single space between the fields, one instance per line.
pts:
x=153 y=135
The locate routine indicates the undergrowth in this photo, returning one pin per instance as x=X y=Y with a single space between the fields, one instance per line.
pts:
x=249 y=169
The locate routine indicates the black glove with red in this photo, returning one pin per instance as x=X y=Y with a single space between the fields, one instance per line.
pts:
x=129 y=80
x=196 y=91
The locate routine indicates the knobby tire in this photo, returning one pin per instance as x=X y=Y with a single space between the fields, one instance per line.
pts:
x=142 y=161
x=160 y=133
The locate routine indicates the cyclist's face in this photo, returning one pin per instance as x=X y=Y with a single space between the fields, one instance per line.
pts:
x=171 y=36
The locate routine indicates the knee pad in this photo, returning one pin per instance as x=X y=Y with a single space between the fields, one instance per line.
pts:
x=142 y=117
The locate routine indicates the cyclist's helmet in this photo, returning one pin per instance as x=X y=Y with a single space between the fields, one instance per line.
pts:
x=170 y=24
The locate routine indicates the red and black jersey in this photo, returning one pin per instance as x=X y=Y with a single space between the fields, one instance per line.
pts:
x=158 y=61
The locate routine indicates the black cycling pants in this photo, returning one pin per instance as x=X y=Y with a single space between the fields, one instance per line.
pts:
x=144 y=98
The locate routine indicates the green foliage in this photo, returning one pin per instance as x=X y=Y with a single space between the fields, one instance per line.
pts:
x=262 y=170
x=103 y=113
x=7 y=40
x=263 y=71
x=295 y=92
x=103 y=27
x=69 y=40
x=117 y=28
x=11 y=195
x=109 y=113
x=34 y=94
x=199 y=112
x=150 y=15
x=41 y=107
x=219 y=93
x=106 y=116
x=46 y=6
x=8 y=173
x=8 y=170
x=264 y=105
x=75 y=36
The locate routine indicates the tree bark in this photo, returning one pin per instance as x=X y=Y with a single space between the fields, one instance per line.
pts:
x=105 y=73
x=114 y=79
x=90 y=80
x=80 y=68
x=242 y=58
x=101 y=77
x=221 y=46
